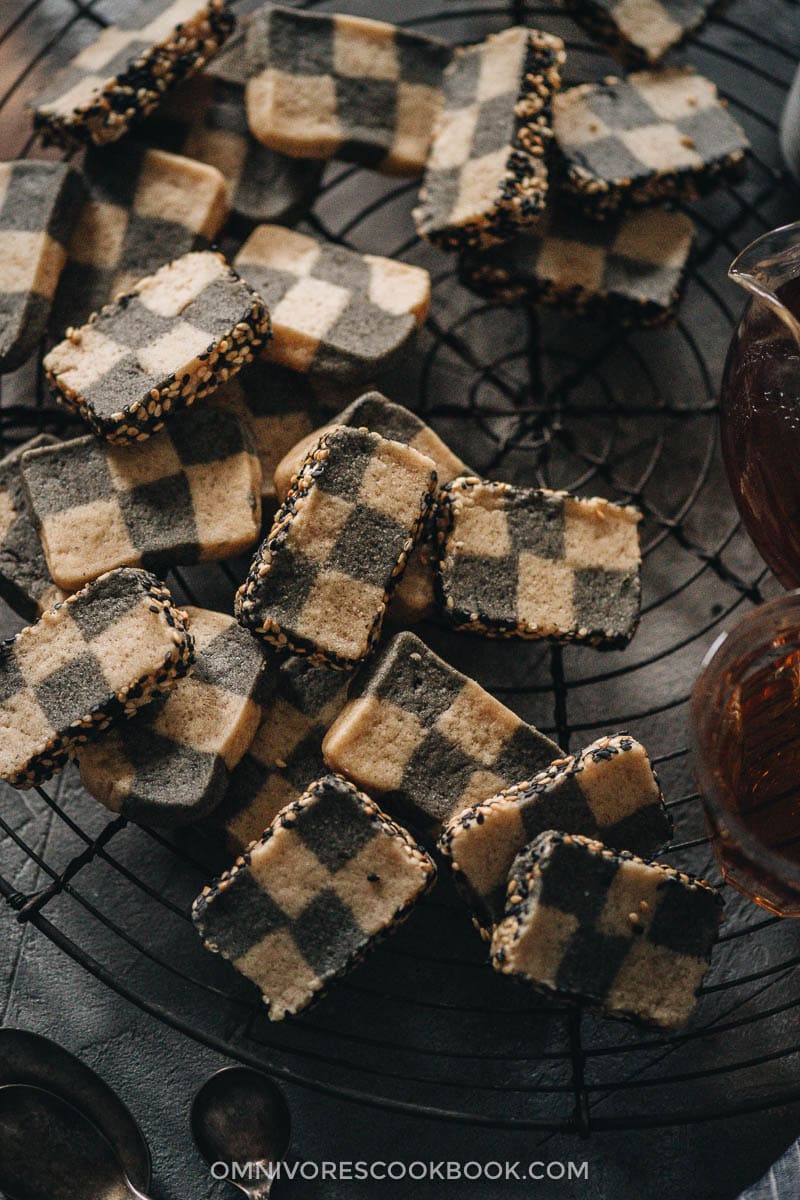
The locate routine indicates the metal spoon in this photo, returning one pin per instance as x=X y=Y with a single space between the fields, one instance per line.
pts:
x=29 y=1058
x=241 y=1119
x=50 y=1151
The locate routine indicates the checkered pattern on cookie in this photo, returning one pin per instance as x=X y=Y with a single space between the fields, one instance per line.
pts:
x=25 y=582
x=486 y=175
x=95 y=658
x=335 y=313
x=428 y=739
x=641 y=31
x=206 y=120
x=190 y=493
x=627 y=937
x=652 y=135
x=321 y=580
x=145 y=208
x=376 y=89
x=626 y=272
x=373 y=411
x=124 y=73
x=280 y=408
x=531 y=563
x=608 y=791
x=172 y=762
x=38 y=206
x=286 y=753
x=331 y=876
x=172 y=340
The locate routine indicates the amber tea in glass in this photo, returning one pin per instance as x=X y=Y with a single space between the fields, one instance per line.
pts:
x=745 y=726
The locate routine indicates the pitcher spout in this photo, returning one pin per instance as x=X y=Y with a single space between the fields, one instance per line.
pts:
x=767 y=266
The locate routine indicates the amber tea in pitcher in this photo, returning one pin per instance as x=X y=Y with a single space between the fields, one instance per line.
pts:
x=760 y=401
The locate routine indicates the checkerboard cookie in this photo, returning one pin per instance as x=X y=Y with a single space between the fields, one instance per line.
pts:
x=608 y=791
x=486 y=176
x=206 y=120
x=25 y=582
x=39 y=202
x=334 y=86
x=95 y=658
x=335 y=313
x=171 y=763
x=427 y=739
x=145 y=208
x=641 y=31
x=329 y=878
x=279 y=407
x=414 y=598
x=191 y=493
x=627 y=937
x=373 y=411
x=629 y=272
x=285 y=756
x=531 y=563
x=172 y=340
x=650 y=136
x=125 y=72
x=321 y=580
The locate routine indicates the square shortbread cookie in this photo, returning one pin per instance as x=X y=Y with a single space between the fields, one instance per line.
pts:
x=145 y=208
x=25 y=582
x=174 y=339
x=414 y=598
x=335 y=86
x=320 y=582
x=285 y=756
x=39 y=202
x=95 y=658
x=532 y=563
x=427 y=739
x=124 y=73
x=206 y=120
x=655 y=135
x=629 y=938
x=641 y=31
x=172 y=762
x=330 y=877
x=191 y=493
x=608 y=791
x=373 y=411
x=486 y=176
x=335 y=313
x=626 y=272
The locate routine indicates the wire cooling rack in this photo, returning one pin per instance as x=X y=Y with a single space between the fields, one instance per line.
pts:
x=424 y=1027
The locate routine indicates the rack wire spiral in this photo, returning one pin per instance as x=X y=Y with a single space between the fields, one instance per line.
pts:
x=424 y=1027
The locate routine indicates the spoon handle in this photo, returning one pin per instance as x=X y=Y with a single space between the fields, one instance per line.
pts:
x=134 y=1192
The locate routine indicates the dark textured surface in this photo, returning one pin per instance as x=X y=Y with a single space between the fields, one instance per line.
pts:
x=637 y=417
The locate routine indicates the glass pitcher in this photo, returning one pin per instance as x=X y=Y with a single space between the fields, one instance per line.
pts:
x=760 y=400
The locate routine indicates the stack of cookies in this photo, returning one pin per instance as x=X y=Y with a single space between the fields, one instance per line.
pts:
x=336 y=762
x=549 y=195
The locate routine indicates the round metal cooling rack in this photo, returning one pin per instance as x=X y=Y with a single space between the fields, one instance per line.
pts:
x=423 y=1027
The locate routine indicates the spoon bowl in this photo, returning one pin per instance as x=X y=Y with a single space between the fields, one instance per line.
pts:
x=29 y=1058
x=51 y=1151
x=240 y=1118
